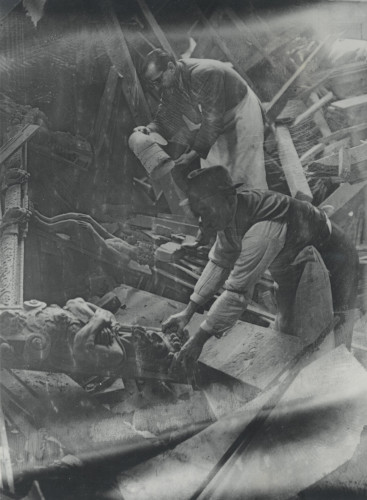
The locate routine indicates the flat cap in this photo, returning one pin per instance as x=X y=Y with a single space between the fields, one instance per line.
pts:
x=209 y=181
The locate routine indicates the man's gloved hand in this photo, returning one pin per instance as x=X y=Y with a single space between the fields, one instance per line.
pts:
x=186 y=158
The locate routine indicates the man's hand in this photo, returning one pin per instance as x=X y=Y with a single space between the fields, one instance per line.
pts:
x=143 y=129
x=186 y=158
x=190 y=352
x=176 y=323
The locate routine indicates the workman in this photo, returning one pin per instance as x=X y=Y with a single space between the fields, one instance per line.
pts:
x=291 y=231
x=207 y=106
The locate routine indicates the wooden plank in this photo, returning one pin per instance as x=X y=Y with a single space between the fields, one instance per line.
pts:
x=344 y=163
x=177 y=225
x=335 y=146
x=323 y=77
x=292 y=166
x=118 y=51
x=276 y=44
x=150 y=19
x=17 y=141
x=357 y=155
x=105 y=109
x=279 y=100
x=311 y=153
x=318 y=117
x=210 y=30
x=6 y=7
x=345 y=132
x=316 y=106
x=351 y=102
x=343 y=195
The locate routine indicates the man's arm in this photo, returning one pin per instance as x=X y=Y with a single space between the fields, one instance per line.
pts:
x=260 y=246
x=211 y=96
x=222 y=257
x=147 y=129
x=210 y=281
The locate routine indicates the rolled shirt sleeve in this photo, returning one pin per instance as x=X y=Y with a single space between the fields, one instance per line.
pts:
x=260 y=246
x=222 y=257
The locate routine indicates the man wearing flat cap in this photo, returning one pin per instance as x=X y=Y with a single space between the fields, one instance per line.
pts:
x=294 y=233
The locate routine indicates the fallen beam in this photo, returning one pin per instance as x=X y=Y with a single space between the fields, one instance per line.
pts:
x=318 y=117
x=150 y=19
x=17 y=141
x=246 y=31
x=345 y=132
x=214 y=37
x=292 y=166
x=311 y=153
x=314 y=108
x=279 y=100
x=105 y=109
x=357 y=155
x=114 y=40
x=351 y=102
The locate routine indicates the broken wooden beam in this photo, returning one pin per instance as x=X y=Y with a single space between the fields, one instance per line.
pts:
x=316 y=106
x=325 y=77
x=16 y=142
x=154 y=26
x=357 y=154
x=105 y=109
x=351 y=102
x=345 y=132
x=292 y=166
x=279 y=100
x=318 y=117
x=214 y=37
x=311 y=153
x=344 y=163
x=247 y=32
x=114 y=40
x=176 y=223
x=354 y=108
